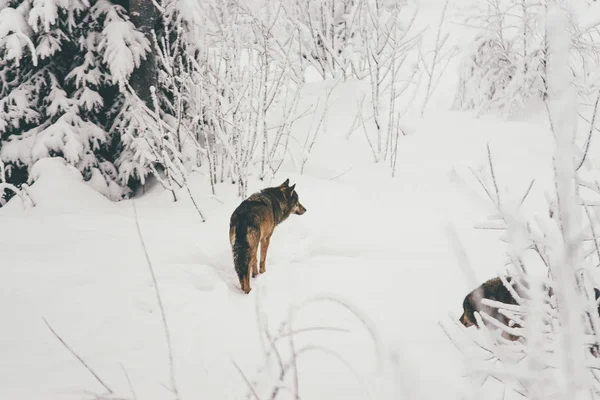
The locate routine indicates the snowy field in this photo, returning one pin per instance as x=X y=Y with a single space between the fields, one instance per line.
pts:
x=377 y=243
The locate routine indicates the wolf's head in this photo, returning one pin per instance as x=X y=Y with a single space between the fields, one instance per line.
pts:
x=468 y=318
x=292 y=197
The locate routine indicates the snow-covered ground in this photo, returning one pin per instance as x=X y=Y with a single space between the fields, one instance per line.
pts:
x=379 y=243
x=76 y=260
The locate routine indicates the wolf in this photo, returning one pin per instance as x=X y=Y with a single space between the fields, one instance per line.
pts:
x=492 y=289
x=253 y=222
x=495 y=290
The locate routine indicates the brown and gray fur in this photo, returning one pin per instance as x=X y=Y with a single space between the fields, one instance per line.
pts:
x=495 y=290
x=492 y=289
x=253 y=222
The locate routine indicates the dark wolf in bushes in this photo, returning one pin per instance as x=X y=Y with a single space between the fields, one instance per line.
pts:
x=492 y=289
x=495 y=290
x=253 y=222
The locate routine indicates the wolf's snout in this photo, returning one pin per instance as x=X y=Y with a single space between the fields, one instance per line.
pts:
x=300 y=209
x=465 y=321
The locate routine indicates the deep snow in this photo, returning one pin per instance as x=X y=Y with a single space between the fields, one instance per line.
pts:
x=378 y=242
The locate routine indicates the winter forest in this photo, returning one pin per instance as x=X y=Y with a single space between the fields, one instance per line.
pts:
x=427 y=170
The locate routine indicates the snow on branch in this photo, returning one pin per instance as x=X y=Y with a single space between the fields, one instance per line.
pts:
x=15 y=34
x=122 y=44
x=556 y=345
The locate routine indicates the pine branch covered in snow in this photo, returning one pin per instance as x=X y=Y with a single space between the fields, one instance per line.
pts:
x=58 y=98
x=8 y=190
x=123 y=46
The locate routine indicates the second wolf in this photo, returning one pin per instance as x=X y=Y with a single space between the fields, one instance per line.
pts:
x=253 y=222
x=495 y=290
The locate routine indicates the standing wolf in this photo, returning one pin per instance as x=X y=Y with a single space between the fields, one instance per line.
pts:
x=254 y=221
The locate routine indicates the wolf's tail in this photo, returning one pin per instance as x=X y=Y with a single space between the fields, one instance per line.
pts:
x=241 y=250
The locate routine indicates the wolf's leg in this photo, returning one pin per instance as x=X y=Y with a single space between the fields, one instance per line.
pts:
x=253 y=261
x=264 y=247
x=245 y=283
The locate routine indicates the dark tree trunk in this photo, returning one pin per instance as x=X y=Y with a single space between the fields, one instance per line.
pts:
x=144 y=15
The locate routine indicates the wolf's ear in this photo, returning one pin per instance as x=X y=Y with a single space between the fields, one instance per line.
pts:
x=286 y=183
x=291 y=188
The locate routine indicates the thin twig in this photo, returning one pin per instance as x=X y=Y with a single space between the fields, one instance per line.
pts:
x=363 y=318
x=589 y=139
x=313 y=329
x=246 y=380
x=527 y=192
x=129 y=381
x=294 y=362
x=362 y=120
x=493 y=175
x=434 y=62
x=160 y=303
x=77 y=356
x=587 y=212
x=550 y=119
x=341 y=174
x=194 y=202
x=483 y=186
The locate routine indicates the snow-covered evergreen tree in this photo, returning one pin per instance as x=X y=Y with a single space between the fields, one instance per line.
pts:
x=63 y=66
x=155 y=134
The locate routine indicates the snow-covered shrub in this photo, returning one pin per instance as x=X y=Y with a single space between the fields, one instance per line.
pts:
x=558 y=320
x=286 y=347
x=229 y=77
x=556 y=316
x=505 y=65
x=388 y=40
x=61 y=65
x=241 y=77
x=154 y=129
x=371 y=40
x=218 y=87
x=327 y=34
x=557 y=323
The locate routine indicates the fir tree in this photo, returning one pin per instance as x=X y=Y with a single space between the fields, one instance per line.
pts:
x=63 y=68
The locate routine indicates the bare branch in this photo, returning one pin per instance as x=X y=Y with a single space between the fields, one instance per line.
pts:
x=160 y=303
x=589 y=139
x=77 y=356
x=246 y=380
